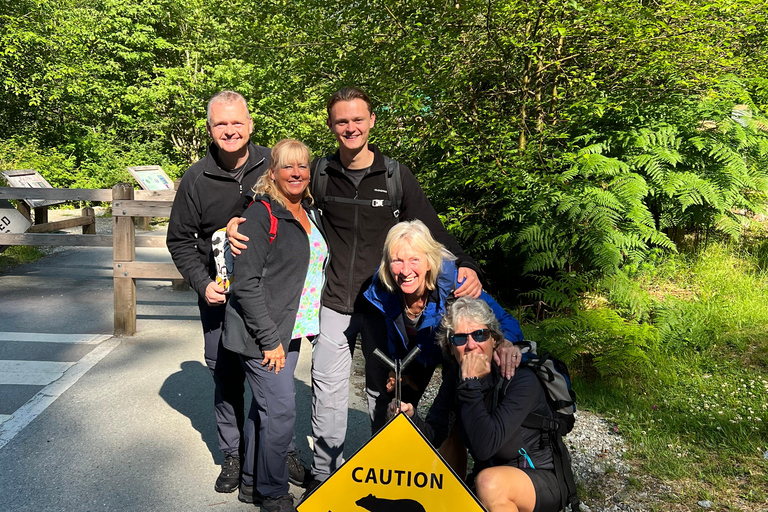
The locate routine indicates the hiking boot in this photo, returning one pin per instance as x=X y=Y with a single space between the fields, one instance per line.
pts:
x=229 y=478
x=311 y=486
x=281 y=504
x=248 y=494
x=297 y=473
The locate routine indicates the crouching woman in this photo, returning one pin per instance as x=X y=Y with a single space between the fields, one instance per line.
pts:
x=514 y=470
x=275 y=302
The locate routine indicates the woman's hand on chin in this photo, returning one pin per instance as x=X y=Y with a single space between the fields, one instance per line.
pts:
x=475 y=365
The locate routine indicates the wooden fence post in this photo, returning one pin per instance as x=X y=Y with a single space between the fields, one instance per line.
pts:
x=124 y=250
x=41 y=215
x=143 y=223
x=89 y=229
x=24 y=208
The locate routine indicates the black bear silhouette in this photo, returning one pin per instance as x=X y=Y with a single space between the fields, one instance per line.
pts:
x=374 y=504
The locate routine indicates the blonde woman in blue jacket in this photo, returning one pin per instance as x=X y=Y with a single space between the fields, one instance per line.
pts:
x=412 y=288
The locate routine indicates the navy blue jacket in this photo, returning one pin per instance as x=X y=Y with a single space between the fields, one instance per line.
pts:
x=391 y=306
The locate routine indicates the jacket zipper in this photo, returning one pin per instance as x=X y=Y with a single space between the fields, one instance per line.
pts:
x=352 y=257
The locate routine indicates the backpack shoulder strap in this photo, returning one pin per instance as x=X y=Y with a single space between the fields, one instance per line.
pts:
x=272 y=221
x=394 y=186
x=500 y=390
x=319 y=183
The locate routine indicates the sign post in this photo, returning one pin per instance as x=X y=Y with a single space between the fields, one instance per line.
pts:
x=149 y=177
x=30 y=178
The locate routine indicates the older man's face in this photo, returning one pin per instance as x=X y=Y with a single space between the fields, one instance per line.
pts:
x=230 y=126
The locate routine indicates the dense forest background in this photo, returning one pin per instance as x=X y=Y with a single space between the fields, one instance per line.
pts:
x=606 y=161
x=561 y=140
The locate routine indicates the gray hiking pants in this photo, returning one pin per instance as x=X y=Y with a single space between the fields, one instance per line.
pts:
x=331 y=366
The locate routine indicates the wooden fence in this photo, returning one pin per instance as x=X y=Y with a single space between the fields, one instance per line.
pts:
x=127 y=203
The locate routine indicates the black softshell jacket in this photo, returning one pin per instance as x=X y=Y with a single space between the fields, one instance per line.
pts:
x=356 y=233
x=494 y=436
x=206 y=196
x=268 y=280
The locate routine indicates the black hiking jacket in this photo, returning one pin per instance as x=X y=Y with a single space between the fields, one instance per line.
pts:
x=356 y=233
x=206 y=196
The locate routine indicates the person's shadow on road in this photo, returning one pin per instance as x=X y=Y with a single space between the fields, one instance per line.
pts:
x=190 y=392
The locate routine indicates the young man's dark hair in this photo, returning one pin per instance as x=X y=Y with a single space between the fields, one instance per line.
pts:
x=348 y=94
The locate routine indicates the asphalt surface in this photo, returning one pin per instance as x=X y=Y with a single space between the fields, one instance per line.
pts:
x=127 y=422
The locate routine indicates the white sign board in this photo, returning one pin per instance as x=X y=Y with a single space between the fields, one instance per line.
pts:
x=11 y=220
x=29 y=178
x=151 y=177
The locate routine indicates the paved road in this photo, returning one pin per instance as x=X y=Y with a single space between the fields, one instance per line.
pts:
x=90 y=422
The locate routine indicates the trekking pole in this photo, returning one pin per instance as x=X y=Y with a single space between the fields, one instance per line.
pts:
x=397 y=366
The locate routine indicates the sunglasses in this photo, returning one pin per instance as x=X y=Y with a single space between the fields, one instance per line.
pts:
x=460 y=338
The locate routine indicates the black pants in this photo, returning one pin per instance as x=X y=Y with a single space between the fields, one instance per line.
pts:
x=376 y=375
x=228 y=380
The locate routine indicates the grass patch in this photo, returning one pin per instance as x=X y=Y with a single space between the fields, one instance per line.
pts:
x=19 y=255
x=677 y=357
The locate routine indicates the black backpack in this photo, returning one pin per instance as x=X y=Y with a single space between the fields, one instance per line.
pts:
x=394 y=188
x=555 y=379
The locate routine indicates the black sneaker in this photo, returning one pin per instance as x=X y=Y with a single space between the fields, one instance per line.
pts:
x=248 y=494
x=311 y=486
x=281 y=504
x=229 y=478
x=297 y=473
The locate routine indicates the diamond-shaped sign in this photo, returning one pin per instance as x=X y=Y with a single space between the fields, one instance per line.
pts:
x=397 y=470
x=11 y=220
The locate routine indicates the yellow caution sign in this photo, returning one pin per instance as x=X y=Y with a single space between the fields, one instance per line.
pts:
x=398 y=471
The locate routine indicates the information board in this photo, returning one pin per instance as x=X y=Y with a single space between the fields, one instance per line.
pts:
x=151 y=177
x=397 y=470
x=29 y=178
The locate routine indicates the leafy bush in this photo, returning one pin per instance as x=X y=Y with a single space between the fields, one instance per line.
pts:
x=600 y=340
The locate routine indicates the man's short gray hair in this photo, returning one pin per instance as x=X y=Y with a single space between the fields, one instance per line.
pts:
x=227 y=97
x=470 y=310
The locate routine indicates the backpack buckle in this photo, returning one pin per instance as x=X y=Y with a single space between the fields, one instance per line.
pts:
x=377 y=203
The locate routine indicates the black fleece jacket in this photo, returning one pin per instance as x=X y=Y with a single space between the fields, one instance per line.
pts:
x=206 y=196
x=267 y=281
x=494 y=437
x=356 y=233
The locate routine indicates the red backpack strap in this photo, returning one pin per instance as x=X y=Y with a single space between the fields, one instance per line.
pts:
x=272 y=221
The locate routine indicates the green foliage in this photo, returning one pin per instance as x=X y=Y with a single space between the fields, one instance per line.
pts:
x=695 y=387
x=619 y=350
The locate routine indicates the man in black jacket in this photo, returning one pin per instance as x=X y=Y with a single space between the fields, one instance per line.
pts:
x=356 y=223
x=209 y=191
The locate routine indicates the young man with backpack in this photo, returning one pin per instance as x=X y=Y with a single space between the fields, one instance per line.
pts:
x=357 y=220
x=356 y=191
